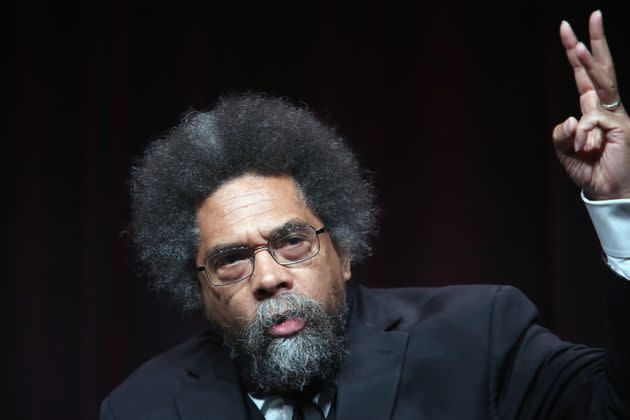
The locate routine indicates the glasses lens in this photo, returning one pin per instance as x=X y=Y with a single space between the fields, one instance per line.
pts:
x=230 y=266
x=296 y=245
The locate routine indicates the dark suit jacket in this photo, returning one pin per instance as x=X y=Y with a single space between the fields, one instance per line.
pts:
x=459 y=352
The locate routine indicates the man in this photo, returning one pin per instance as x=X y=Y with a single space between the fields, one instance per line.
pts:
x=255 y=212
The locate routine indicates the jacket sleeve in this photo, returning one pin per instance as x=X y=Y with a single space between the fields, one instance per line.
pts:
x=106 y=413
x=535 y=375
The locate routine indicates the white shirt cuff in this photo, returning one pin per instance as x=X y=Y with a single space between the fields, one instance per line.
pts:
x=611 y=219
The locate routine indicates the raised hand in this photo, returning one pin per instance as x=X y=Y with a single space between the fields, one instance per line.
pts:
x=595 y=151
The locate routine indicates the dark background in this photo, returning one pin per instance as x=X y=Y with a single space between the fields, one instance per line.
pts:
x=451 y=105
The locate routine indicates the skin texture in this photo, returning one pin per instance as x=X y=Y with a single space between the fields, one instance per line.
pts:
x=245 y=210
x=595 y=151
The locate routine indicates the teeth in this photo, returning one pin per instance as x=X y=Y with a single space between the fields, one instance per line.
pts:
x=280 y=317
x=277 y=319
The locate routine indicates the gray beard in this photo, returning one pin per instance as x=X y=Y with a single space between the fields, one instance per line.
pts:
x=289 y=365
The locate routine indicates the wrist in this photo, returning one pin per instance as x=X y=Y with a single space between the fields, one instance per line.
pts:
x=606 y=195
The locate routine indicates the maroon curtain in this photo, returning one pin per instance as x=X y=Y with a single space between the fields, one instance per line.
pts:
x=451 y=105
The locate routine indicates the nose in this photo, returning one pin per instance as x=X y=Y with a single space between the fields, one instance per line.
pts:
x=269 y=277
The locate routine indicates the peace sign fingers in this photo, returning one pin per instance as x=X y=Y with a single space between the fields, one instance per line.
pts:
x=593 y=71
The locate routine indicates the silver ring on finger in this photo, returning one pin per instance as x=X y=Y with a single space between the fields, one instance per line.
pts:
x=611 y=106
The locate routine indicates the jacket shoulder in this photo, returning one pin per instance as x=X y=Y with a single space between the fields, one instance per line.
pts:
x=415 y=304
x=157 y=380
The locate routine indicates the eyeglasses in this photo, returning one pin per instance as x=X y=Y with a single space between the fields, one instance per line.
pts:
x=291 y=246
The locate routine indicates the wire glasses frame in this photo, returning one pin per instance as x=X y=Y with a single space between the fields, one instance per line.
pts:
x=293 y=246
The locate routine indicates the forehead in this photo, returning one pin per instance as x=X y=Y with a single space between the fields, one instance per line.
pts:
x=249 y=207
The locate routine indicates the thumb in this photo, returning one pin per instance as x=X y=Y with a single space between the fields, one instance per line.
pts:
x=564 y=135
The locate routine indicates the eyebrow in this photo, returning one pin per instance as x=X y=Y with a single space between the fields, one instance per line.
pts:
x=280 y=230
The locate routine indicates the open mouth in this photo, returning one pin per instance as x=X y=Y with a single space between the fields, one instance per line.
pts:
x=286 y=326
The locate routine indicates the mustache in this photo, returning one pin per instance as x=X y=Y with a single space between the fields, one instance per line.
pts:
x=286 y=306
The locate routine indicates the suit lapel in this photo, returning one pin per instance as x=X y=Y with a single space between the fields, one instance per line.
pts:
x=368 y=382
x=214 y=392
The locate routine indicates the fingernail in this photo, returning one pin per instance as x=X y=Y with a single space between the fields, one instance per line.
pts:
x=566 y=128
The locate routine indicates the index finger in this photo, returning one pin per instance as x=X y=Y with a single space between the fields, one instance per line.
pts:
x=570 y=43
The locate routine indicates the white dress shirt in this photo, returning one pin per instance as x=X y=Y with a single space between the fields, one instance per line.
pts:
x=611 y=219
x=276 y=408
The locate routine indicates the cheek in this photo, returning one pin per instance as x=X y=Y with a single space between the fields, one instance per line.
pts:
x=327 y=284
x=227 y=307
